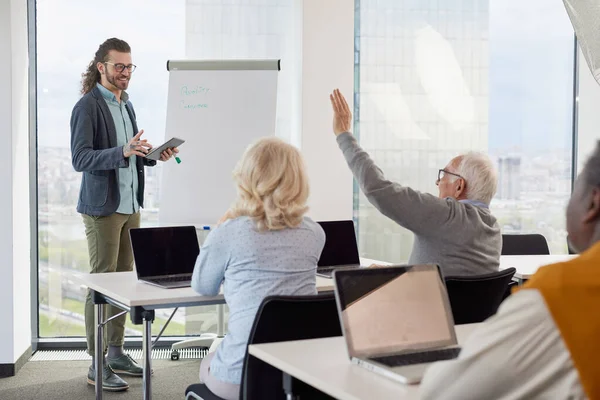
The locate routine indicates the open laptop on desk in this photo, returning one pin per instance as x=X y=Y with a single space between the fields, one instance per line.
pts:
x=166 y=256
x=340 y=250
x=396 y=320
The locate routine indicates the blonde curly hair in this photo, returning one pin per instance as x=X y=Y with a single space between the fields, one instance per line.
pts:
x=272 y=185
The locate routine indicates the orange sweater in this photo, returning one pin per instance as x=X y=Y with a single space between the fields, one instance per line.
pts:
x=571 y=291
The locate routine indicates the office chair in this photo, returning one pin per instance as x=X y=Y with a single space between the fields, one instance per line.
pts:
x=475 y=298
x=279 y=319
x=511 y=285
x=526 y=244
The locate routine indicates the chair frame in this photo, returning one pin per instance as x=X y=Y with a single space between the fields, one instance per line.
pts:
x=538 y=241
x=267 y=302
x=499 y=275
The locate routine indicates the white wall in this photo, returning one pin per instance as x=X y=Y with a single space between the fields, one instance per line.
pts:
x=15 y=337
x=6 y=265
x=20 y=184
x=589 y=112
x=327 y=63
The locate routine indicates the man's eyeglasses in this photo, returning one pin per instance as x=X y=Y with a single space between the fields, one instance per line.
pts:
x=443 y=172
x=121 y=67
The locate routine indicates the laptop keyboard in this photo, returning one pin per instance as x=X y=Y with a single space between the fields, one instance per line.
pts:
x=418 y=358
x=174 y=279
x=329 y=270
x=325 y=271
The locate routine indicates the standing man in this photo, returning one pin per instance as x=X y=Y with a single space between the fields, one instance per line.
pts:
x=107 y=147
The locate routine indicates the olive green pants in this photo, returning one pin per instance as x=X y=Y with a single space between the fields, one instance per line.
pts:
x=110 y=251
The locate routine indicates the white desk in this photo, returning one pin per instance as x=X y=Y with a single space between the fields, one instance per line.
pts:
x=324 y=365
x=528 y=265
x=123 y=290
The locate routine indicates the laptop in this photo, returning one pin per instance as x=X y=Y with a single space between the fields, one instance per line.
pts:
x=396 y=320
x=165 y=256
x=340 y=250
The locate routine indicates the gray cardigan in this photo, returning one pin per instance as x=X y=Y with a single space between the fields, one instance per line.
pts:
x=462 y=238
x=94 y=152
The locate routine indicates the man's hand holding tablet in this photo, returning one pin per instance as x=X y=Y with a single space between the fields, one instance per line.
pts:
x=165 y=151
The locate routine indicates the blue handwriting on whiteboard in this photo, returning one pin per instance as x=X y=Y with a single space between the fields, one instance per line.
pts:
x=192 y=106
x=193 y=90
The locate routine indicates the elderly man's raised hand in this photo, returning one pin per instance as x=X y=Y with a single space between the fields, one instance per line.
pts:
x=342 y=116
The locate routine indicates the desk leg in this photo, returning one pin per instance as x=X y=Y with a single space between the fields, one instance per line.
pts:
x=99 y=313
x=288 y=386
x=147 y=349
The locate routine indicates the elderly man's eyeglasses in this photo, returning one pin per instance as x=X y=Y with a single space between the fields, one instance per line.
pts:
x=443 y=172
x=121 y=67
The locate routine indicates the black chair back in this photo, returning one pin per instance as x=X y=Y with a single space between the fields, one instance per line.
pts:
x=283 y=318
x=475 y=298
x=527 y=244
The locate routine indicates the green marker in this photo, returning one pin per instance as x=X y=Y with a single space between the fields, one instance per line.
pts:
x=178 y=160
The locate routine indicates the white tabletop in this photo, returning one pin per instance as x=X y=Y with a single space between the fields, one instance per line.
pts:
x=125 y=288
x=528 y=265
x=324 y=364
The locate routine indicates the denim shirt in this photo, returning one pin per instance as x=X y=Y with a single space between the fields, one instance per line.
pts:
x=128 y=179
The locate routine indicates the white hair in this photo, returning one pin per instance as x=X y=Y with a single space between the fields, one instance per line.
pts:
x=479 y=173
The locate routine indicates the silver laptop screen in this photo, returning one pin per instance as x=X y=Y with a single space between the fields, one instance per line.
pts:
x=393 y=309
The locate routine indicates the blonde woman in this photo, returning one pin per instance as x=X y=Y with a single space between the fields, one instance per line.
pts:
x=264 y=245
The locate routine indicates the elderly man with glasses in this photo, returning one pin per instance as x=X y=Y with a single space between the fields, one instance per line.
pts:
x=456 y=229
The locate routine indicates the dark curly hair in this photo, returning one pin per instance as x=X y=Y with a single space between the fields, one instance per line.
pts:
x=92 y=76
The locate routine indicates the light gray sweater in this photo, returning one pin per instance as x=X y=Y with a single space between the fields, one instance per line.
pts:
x=253 y=265
x=462 y=238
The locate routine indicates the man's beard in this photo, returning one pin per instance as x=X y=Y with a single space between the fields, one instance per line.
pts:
x=116 y=82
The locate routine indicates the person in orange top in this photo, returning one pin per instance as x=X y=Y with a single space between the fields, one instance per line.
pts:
x=544 y=342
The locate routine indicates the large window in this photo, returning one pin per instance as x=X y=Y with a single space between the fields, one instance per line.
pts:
x=68 y=34
x=438 y=78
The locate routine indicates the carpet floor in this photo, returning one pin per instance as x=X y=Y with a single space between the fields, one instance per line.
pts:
x=66 y=380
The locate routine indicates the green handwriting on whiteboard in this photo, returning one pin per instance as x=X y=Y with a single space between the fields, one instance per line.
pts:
x=193 y=90
x=192 y=106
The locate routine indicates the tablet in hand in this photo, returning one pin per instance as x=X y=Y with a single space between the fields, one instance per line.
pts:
x=154 y=154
